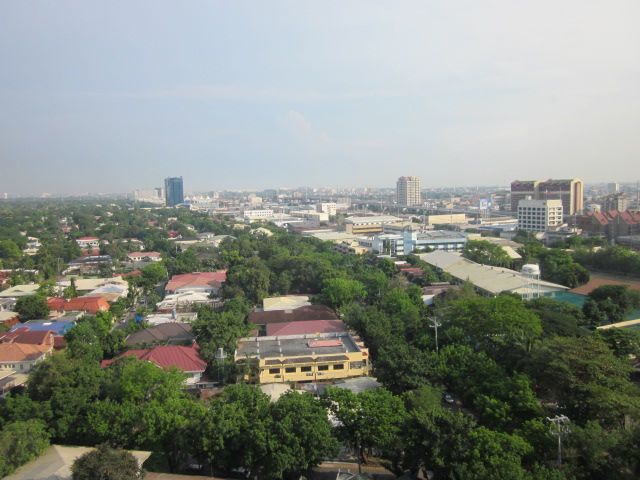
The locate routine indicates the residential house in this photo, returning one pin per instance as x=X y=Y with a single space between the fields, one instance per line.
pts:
x=22 y=335
x=144 y=256
x=209 y=282
x=172 y=333
x=59 y=326
x=18 y=291
x=8 y=319
x=21 y=357
x=89 y=304
x=186 y=359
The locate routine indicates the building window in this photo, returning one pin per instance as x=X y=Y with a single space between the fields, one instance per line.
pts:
x=323 y=368
x=290 y=370
x=338 y=366
x=274 y=371
x=305 y=369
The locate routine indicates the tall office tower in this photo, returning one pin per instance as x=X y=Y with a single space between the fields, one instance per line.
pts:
x=173 y=192
x=613 y=188
x=408 y=191
x=570 y=192
x=521 y=190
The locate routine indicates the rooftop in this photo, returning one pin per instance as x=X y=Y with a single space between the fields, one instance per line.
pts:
x=21 y=352
x=197 y=279
x=20 y=291
x=165 y=332
x=297 y=345
x=186 y=359
x=492 y=280
x=373 y=219
x=58 y=326
x=302 y=314
x=308 y=327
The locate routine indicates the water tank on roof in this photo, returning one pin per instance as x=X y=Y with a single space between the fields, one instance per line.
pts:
x=531 y=269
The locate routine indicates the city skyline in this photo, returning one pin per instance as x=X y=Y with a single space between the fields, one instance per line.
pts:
x=243 y=94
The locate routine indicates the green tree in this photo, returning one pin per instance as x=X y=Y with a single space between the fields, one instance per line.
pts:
x=21 y=442
x=486 y=253
x=368 y=420
x=586 y=379
x=106 y=463
x=32 y=307
x=299 y=436
x=215 y=330
x=341 y=291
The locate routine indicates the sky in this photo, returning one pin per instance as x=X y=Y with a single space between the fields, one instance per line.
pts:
x=114 y=96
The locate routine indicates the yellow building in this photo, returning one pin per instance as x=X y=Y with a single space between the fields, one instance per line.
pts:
x=302 y=358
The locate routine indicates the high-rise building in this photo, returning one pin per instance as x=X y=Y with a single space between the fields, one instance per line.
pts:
x=570 y=192
x=539 y=215
x=173 y=192
x=613 y=188
x=408 y=191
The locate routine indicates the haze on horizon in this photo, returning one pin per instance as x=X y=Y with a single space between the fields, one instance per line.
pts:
x=109 y=97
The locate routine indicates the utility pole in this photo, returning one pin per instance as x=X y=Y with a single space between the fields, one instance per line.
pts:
x=435 y=324
x=559 y=426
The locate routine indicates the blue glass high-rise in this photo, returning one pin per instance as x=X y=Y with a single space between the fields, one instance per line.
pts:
x=173 y=192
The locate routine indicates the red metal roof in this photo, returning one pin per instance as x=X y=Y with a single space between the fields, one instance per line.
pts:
x=28 y=337
x=308 y=327
x=91 y=305
x=198 y=279
x=186 y=359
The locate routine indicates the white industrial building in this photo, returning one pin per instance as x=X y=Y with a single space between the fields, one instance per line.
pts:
x=491 y=280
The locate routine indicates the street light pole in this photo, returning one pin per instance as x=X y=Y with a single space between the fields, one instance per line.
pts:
x=559 y=426
x=435 y=324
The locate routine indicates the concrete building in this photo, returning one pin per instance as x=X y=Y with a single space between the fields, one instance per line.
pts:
x=302 y=358
x=257 y=215
x=327 y=207
x=173 y=191
x=569 y=191
x=434 y=240
x=368 y=225
x=445 y=219
x=617 y=201
x=539 y=215
x=408 y=191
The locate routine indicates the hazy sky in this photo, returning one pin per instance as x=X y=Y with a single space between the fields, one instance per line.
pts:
x=112 y=96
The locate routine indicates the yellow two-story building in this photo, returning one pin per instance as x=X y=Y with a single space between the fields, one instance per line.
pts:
x=302 y=358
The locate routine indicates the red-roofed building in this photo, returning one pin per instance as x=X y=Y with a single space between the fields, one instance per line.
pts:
x=56 y=304
x=43 y=338
x=183 y=358
x=310 y=327
x=89 y=304
x=20 y=357
x=209 y=282
x=610 y=224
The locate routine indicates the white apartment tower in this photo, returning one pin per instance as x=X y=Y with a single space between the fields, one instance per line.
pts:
x=539 y=215
x=408 y=191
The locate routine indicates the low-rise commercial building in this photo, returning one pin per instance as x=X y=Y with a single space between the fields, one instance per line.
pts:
x=368 y=225
x=302 y=358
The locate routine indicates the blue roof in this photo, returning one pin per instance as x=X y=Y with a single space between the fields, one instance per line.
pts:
x=59 y=327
